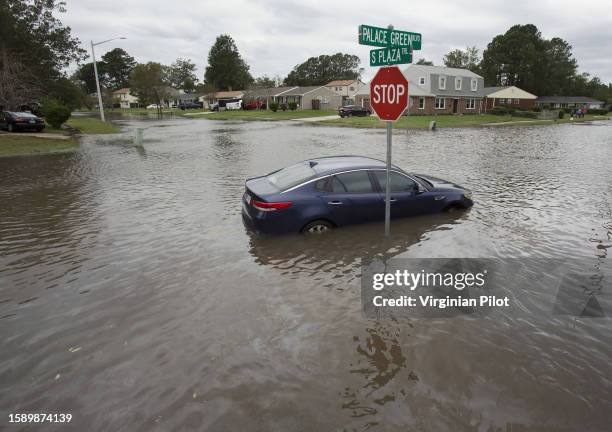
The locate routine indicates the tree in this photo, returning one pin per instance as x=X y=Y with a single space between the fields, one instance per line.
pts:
x=85 y=76
x=263 y=82
x=147 y=83
x=226 y=68
x=181 y=75
x=424 y=62
x=32 y=36
x=521 y=57
x=323 y=69
x=468 y=59
x=117 y=65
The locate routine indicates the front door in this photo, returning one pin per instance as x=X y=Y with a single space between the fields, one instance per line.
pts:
x=455 y=105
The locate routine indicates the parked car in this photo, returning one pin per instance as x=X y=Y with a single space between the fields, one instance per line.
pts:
x=14 y=121
x=254 y=105
x=234 y=105
x=215 y=106
x=354 y=110
x=190 y=105
x=316 y=195
x=153 y=106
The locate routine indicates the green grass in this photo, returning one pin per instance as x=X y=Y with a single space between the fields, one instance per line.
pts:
x=89 y=125
x=85 y=125
x=14 y=145
x=264 y=114
x=442 y=121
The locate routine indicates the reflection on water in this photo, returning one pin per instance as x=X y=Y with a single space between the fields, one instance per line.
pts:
x=129 y=286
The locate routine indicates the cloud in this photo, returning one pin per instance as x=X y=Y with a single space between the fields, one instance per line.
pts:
x=273 y=36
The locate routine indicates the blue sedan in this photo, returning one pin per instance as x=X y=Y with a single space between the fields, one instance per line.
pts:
x=316 y=195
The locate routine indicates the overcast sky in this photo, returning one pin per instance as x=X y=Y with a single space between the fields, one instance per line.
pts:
x=275 y=35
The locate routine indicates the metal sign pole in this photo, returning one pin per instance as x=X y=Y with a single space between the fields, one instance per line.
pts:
x=388 y=188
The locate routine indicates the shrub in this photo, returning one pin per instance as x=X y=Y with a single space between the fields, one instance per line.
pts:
x=526 y=114
x=561 y=114
x=283 y=107
x=597 y=111
x=498 y=110
x=536 y=109
x=273 y=106
x=56 y=113
x=292 y=106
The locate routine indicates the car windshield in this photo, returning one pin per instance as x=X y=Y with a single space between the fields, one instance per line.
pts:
x=292 y=176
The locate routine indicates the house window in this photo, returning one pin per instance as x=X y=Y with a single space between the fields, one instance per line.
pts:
x=502 y=101
x=471 y=104
x=337 y=89
x=351 y=88
x=421 y=103
x=474 y=84
x=458 y=83
x=422 y=80
x=440 y=103
x=516 y=101
x=442 y=83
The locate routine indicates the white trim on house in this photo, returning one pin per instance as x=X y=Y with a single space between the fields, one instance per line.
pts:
x=474 y=85
x=471 y=104
x=443 y=99
x=458 y=83
x=421 y=103
x=442 y=79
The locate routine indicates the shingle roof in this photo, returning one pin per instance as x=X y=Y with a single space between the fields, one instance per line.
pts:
x=444 y=70
x=489 y=90
x=267 y=92
x=340 y=83
x=298 y=91
x=229 y=94
x=567 y=99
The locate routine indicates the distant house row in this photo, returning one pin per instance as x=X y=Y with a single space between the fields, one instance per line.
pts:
x=443 y=90
x=432 y=90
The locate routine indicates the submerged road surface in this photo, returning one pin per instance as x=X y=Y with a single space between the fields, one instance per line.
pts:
x=132 y=297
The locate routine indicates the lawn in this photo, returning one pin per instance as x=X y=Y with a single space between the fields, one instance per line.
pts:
x=264 y=114
x=442 y=121
x=85 y=125
x=15 y=145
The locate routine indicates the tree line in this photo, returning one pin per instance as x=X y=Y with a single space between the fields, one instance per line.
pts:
x=36 y=48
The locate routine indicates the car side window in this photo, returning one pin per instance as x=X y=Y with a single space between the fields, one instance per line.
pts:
x=352 y=182
x=399 y=182
x=321 y=185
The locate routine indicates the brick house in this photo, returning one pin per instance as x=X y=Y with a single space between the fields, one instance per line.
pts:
x=510 y=96
x=437 y=90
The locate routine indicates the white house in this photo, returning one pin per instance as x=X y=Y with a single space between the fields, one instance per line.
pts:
x=125 y=99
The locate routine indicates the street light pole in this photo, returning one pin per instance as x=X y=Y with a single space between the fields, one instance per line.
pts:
x=93 y=56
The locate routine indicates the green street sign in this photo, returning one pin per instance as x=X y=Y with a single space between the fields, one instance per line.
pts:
x=390 y=56
x=384 y=37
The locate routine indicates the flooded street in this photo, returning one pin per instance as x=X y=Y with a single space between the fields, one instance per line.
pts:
x=133 y=297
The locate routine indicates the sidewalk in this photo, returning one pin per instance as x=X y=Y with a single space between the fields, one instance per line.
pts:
x=57 y=136
x=316 y=119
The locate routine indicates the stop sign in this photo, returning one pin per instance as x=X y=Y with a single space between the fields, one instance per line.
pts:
x=389 y=93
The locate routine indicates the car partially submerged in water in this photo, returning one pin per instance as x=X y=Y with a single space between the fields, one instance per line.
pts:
x=317 y=195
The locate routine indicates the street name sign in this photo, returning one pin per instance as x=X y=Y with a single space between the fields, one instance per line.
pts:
x=390 y=56
x=389 y=93
x=385 y=37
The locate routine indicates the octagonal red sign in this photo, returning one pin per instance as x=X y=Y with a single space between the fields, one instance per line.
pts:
x=389 y=93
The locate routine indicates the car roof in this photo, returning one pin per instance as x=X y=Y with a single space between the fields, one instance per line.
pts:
x=331 y=164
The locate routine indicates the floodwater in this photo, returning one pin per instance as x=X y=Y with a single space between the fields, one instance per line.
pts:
x=132 y=296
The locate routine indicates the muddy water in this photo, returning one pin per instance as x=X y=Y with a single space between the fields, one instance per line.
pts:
x=132 y=297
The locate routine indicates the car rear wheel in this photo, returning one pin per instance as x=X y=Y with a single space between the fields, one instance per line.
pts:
x=317 y=227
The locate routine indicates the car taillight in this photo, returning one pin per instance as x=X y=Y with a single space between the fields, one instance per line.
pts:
x=19 y=119
x=270 y=206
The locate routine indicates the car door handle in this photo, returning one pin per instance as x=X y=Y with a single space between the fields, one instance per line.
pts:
x=392 y=200
x=335 y=202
